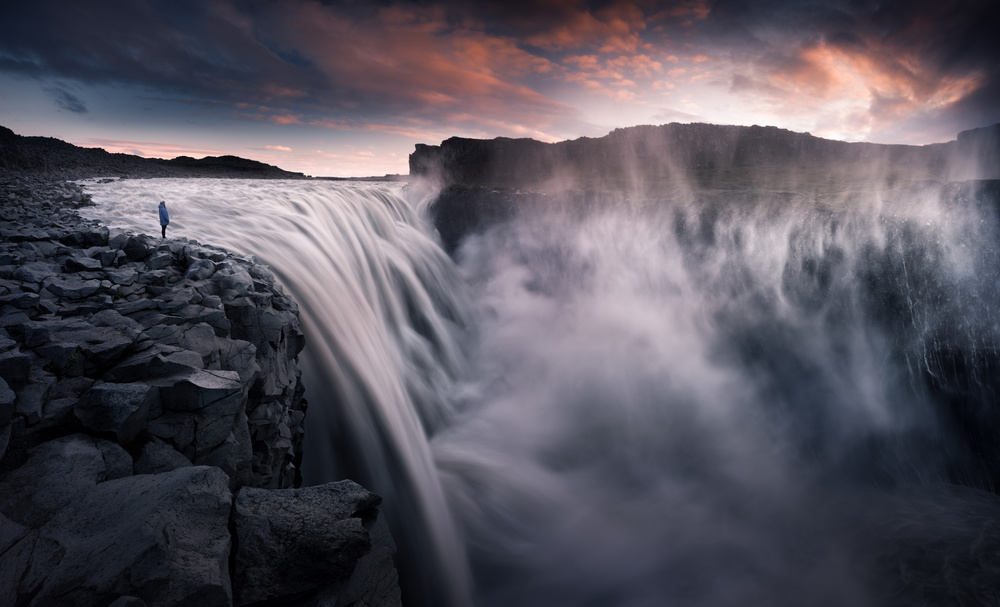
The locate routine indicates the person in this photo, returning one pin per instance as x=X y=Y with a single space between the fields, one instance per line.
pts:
x=164 y=219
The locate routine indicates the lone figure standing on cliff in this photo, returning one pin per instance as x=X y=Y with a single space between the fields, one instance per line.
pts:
x=164 y=219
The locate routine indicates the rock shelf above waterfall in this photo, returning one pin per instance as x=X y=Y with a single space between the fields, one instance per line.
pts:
x=146 y=384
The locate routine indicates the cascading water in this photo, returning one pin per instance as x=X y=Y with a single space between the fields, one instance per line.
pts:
x=379 y=304
x=680 y=403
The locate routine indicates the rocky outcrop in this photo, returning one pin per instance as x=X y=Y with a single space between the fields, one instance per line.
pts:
x=49 y=156
x=485 y=183
x=283 y=547
x=650 y=158
x=143 y=383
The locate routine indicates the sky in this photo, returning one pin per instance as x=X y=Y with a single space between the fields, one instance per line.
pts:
x=347 y=88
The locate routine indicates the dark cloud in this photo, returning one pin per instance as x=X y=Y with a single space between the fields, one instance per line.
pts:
x=66 y=100
x=449 y=61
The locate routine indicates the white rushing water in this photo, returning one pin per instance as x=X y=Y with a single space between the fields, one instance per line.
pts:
x=689 y=406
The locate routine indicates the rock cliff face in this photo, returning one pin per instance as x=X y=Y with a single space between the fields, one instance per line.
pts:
x=143 y=384
x=705 y=155
x=486 y=182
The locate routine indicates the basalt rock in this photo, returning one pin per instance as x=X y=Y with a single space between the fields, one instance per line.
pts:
x=143 y=383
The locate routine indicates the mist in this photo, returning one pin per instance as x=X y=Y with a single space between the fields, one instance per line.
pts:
x=683 y=397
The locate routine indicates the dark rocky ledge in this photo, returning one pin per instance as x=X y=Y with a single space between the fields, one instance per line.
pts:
x=151 y=420
x=49 y=156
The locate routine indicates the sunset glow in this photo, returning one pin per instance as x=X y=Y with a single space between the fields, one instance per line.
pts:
x=278 y=82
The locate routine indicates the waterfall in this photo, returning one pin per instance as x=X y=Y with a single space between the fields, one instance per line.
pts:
x=381 y=306
x=682 y=401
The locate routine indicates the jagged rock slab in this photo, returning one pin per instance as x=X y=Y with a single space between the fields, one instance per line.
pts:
x=293 y=543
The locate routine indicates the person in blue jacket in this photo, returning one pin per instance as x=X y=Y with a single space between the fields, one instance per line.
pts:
x=164 y=219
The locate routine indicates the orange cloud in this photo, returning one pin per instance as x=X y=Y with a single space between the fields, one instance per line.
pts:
x=285 y=119
x=278 y=148
x=850 y=92
x=413 y=58
x=613 y=29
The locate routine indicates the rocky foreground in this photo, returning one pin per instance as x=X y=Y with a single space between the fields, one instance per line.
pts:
x=151 y=423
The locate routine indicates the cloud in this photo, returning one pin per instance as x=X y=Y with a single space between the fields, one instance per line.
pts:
x=152 y=149
x=278 y=148
x=65 y=100
x=447 y=67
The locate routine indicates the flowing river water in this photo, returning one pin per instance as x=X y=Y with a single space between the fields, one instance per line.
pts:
x=684 y=404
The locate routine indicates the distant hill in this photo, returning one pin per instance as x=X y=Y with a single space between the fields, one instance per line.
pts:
x=47 y=155
x=704 y=157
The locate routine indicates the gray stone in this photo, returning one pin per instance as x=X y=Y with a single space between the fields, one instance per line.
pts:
x=73 y=287
x=121 y=276
x=291 y=542
x=232 y=456
x=157 y=456
x=135 y=248
x=107 y=257
x=32 y=397
x=374 y=582
x=160 y=360
x=35 y=272
x=177 y=429
x=200 y=270
x=20 y=300
x=119 y=410
x=74 y=347
x=15 y=366
x=200 y=389
x=117 y=239
x=241 y=356
x=163 y=538
x=57 y=473
x=82 y=264
x=159 y=260
x=239 y=281
x=37 y=333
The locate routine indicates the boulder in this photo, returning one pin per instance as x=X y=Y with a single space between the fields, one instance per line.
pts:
x=73 y=287
x=117 y=410
x=15 y=366
x=163 y=538
x=32 y=397
x=157 y=456
x=297 y=542
x=82 y=264
x=135 y=248
x=159 y=260
x=58 y=473
x=121 y=276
